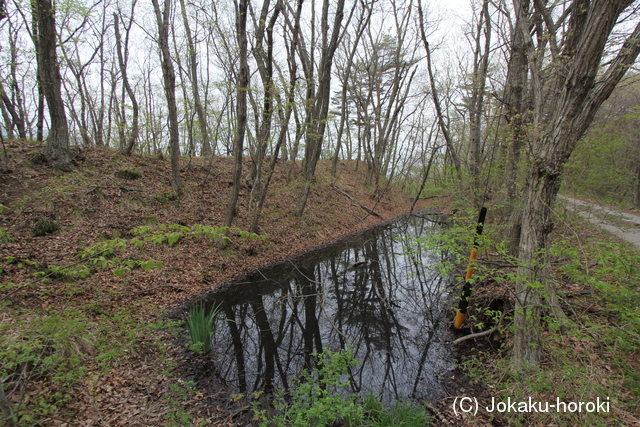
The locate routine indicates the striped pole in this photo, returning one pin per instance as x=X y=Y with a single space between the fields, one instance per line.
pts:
x=466 y=289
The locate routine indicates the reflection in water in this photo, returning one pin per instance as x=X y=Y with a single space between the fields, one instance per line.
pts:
x=377 y=292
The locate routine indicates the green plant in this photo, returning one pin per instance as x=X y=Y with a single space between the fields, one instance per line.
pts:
x=201 y=326
x=4 y=236
x=317 y=395
x=130 y=174
x=169 y=196
x=45 y=227
x=402 y=414
x=173 y=233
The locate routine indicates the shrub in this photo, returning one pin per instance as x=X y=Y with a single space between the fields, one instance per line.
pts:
x=45 y=227
x=317 y=399
x=4 y=236
x=130 y=174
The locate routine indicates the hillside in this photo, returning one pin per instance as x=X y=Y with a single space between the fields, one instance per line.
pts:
x=79 y=299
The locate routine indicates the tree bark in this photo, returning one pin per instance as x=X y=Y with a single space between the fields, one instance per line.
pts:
x=169 y=78
x=122 y=63
x=561 y=116
x=317 y=121
x=57 y=149
x=241 y=109
x=193 y=74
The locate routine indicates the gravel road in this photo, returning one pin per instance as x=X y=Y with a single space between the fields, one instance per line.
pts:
x=622 y=224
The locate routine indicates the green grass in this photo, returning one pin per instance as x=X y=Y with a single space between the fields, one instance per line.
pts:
x=201 y=326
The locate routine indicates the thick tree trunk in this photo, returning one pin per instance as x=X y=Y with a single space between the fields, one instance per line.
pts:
x=57 y=149
x=530 y=287
x=561 y=116
x=514 y=106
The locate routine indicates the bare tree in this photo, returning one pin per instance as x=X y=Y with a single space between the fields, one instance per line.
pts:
x=122 y=63
x=363 y=23
x=264 y=61
x=318 y=100
x=241 y=109
x=169 y=79
x=476 y=101
x=442 y=122
x=284 y=125
x=195 y=87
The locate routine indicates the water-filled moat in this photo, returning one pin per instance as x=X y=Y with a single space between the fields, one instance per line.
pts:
x=377 y=292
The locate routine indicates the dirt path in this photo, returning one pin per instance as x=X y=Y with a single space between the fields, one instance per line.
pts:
x=622 y=224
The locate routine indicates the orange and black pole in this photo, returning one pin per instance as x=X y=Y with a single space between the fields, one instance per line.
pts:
x=466 y=289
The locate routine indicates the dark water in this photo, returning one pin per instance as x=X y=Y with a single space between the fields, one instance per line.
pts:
x=377 y=292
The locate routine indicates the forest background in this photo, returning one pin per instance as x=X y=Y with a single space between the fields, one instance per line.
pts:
x=500 y=107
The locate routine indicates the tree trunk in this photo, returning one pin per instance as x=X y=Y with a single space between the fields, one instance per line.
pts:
x=344 y=112
x=122 y=63
x=517 y=118
x=317 y=120
x=57 y=149
x=169 y=78
x=444 y=128
x=241 y=110
x=193 y=74
x=476 y=101
x=561 y=116
x=15 y=119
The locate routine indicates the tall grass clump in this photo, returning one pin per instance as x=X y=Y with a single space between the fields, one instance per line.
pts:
x=201 y=326
x=403 y=414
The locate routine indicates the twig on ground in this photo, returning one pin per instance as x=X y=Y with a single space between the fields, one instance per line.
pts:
x=370 y=211
x=483 y=333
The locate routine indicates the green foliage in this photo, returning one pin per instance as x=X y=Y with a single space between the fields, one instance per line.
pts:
x=54 y=346
x=169 y=196
x=591 y=357
x=321 y=397
x=97 y=253
x=173 y=233
x=101 y=257
x=4 y=236
x=615 y=277
x=45 y=227
x=130 y=174
x=201 y=326
x=604 y=164
x=402 y=414
x=317 y=396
